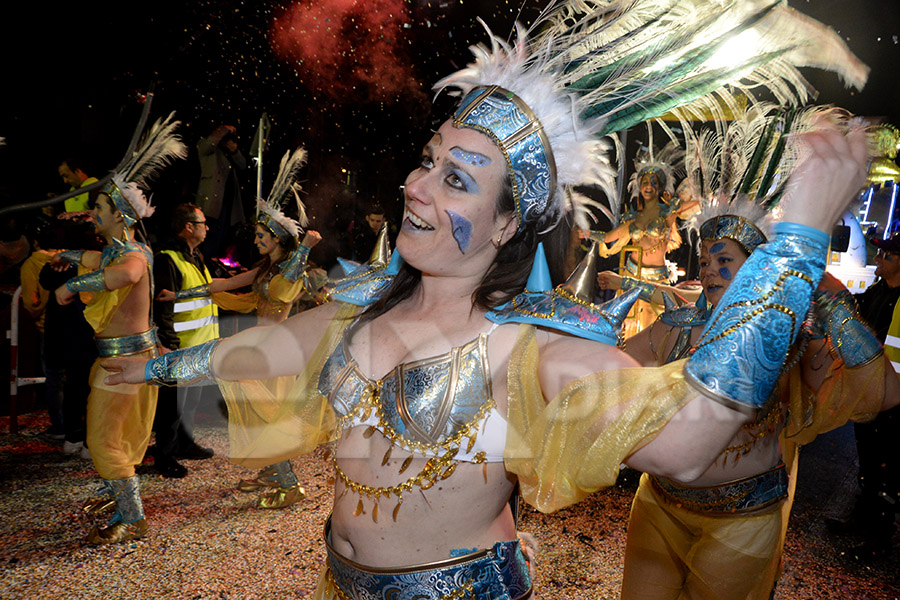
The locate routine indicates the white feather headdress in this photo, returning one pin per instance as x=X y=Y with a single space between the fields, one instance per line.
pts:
x=158 y=148
x=588 y=68
x=270 y=212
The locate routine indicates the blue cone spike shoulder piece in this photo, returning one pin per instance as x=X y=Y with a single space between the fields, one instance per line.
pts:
x=742 y=350
x=563 y=310
x=689 y=315
x=347 y=265
x=367 y=283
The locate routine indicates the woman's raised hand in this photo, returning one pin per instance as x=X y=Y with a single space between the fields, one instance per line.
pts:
x=828 y=179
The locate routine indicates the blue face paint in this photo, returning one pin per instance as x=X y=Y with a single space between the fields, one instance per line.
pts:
x=725 y=272
x=462 y=230
x=472 y=158
x=717 y=247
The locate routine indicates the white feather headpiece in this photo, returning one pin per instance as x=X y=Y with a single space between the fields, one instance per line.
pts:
x=270 y=213
x=159 y=147
x=594 y=67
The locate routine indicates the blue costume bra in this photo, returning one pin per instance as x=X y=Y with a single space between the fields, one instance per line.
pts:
x=426 y=405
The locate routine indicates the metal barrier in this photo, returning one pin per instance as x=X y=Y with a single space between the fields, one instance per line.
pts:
x=15 y=382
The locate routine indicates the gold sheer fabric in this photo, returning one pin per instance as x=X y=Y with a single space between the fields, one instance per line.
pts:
x=572 y=446
x=846 y=395
x=275 y=307
x=276 y=419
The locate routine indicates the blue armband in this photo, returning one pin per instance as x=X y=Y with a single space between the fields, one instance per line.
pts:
x=89 y=282
x=854 y=343
x=198 y=291
x=646 y=287
x=181 y=367
x=73 y=257
x=293 y=268
x=742 y=350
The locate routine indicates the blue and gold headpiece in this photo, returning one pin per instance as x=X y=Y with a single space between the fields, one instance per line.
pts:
x=271 y=223
x=733 y=227
x=124 y=206
x=513 y=126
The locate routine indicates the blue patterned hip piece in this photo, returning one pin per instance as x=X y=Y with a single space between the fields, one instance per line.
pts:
x=742 y=350
x=129 y=344
x=741 y=496
x=498 y=573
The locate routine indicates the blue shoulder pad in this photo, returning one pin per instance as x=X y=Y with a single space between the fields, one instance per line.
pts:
x=366 y=283
x=560 y=310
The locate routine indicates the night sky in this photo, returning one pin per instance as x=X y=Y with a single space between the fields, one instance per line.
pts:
x=349 y=80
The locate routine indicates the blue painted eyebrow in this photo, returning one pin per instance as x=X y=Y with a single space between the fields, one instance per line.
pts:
x=475 y=159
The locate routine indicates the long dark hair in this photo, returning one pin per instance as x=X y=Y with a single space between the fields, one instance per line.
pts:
x=507 y=276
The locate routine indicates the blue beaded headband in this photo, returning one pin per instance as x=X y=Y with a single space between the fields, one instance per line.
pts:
x=122 y=204
x=512 y=125
x=733 y=227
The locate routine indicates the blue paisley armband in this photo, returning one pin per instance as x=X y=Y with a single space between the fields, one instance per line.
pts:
x=295 y=266
x=89 y=282
x=198 y=291
x=853 y=341
x=181 y=367
x=742 y=350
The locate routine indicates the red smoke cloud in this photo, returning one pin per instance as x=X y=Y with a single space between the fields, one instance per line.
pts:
x=350 y=49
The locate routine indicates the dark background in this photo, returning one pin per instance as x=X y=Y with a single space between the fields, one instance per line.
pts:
x=348 y=80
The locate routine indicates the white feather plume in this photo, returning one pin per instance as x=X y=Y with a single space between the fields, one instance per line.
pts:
x=589 y=68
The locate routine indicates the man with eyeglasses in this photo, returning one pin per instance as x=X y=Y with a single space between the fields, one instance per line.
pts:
x=181 y=324
x=876 y=442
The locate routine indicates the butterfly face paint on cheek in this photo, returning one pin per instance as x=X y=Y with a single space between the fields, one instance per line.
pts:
x=462 y=230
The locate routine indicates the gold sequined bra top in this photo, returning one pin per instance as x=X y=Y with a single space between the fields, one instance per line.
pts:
x=428 y=406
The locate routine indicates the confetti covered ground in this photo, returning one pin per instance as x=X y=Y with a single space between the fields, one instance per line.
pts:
x=209 y=541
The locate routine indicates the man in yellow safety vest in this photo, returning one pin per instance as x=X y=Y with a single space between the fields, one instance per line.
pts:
x=182 y=324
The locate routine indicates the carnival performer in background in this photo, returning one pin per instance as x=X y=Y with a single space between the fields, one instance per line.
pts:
x=650 y=223
x=439 y=411
x=116 y=286
x=277 y=280
x=721 y=535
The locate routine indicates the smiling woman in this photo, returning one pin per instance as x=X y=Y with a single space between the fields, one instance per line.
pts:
x=439 y=413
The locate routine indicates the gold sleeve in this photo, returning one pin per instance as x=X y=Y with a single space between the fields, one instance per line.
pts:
x=286 y=291
x=276 y=419
x=573 y=445
x=242 y=303
x=847 y=394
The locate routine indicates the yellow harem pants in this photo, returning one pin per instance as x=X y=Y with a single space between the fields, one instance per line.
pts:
x=119 y=422
x=674 y=553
